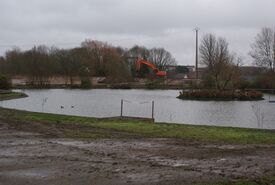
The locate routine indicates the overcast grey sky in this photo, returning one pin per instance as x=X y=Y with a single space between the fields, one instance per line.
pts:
x=151 y=23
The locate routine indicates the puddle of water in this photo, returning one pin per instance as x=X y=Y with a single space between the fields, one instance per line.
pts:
x=29 y=173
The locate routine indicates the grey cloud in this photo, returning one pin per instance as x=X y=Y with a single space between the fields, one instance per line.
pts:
x=153 y=23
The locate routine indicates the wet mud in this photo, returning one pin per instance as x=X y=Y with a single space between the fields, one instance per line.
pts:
x=29 y=157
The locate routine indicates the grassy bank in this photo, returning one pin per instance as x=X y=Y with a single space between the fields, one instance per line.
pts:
x=11 y=95
x=205 y=134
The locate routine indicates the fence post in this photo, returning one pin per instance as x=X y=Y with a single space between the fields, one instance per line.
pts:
x=121 y=108
x=153 y=107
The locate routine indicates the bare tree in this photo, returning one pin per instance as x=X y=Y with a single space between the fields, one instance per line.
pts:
x=97 y=51
x=221 y=64
x=96 y=48
x=108 y=60
x=263 y=49
x=139 y=51
x=13 y=62
x=161 y=58
x=38 y=65
x=69 y=64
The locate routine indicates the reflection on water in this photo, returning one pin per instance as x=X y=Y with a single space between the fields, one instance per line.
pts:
x=106 y=103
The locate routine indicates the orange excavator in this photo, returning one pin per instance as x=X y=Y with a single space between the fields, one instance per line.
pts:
x=158 y=73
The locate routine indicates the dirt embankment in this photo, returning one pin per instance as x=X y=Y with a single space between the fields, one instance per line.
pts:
x=44 y=157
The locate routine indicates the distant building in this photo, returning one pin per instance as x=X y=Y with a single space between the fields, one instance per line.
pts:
x=184 y=71
x=175 y=68
x=201 y=72
x=248 y=73
x=179 y=71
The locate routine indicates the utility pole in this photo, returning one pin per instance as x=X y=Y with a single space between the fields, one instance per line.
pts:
x=197 y=57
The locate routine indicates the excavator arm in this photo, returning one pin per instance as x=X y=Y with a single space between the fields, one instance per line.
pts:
x=159 y=73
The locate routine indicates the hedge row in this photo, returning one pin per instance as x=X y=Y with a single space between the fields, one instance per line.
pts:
x=220 y=95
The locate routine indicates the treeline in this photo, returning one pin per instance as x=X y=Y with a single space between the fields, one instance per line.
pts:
x=92 y=58
x=223 y=66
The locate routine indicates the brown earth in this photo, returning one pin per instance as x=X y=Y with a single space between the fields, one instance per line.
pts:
x=38 y=154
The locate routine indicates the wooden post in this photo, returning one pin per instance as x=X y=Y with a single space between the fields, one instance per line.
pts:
x=121 y=108
x=153 y=107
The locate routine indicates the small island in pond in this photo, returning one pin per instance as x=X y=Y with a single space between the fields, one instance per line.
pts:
x=217 y=95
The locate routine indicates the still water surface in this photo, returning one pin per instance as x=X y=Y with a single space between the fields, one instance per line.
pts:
x=106 y=103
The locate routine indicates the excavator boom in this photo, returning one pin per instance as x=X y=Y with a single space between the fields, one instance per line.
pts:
x=159 y=73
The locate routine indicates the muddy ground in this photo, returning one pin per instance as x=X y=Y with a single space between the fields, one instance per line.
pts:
x=41 y=156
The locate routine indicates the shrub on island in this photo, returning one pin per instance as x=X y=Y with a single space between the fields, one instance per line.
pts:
x=4 y=82
x=221 y=95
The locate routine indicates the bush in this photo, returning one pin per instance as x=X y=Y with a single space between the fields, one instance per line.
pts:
x=243 y=84
x=4 y=82
x=267 y=80
x=220 y=95
x=121 y=86
x=86 y=83
x=208 y=81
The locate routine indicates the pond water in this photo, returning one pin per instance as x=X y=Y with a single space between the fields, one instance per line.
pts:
x=138 y=103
